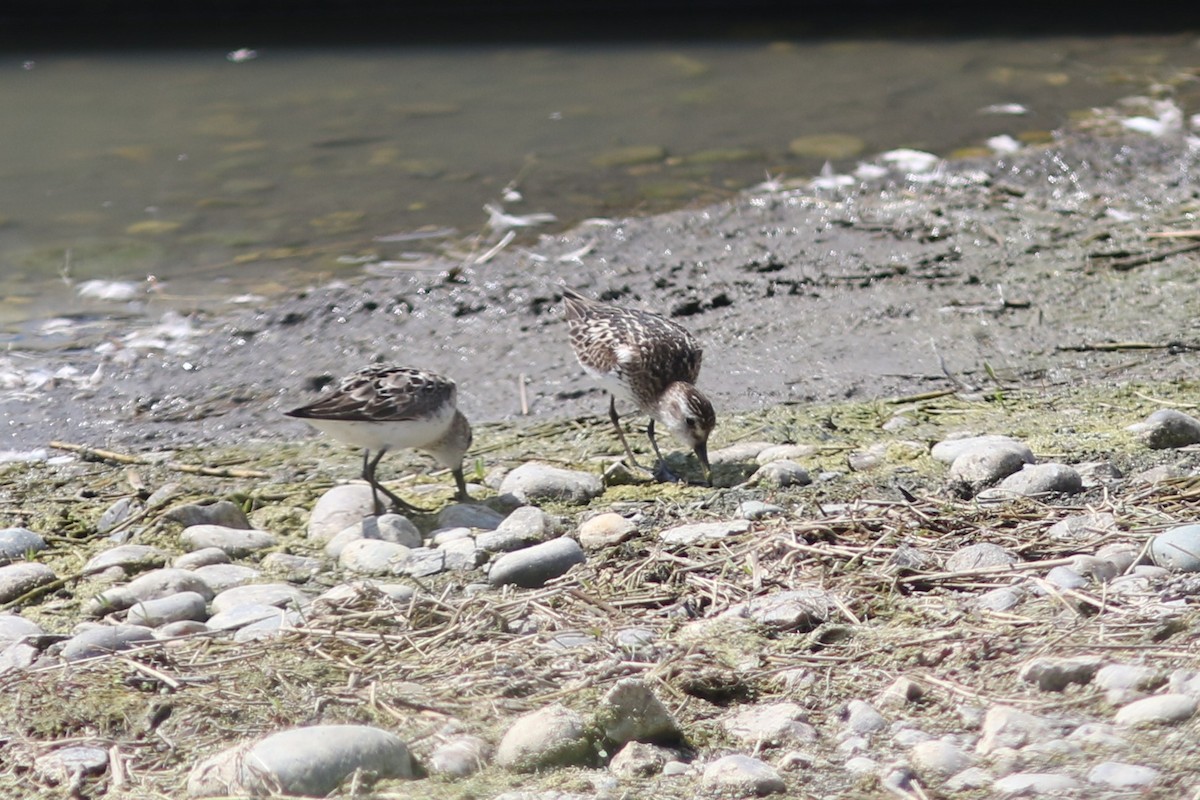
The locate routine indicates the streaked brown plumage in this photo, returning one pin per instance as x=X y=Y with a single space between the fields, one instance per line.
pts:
x=648 y=360
x=387 y=407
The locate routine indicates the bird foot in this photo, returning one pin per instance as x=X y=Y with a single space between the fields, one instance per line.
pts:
x=663 y=474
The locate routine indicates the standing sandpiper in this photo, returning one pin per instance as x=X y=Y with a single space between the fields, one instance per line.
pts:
x=383 y=408
x=647 y=360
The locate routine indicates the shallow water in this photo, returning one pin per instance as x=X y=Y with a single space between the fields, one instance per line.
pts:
x=219 y=177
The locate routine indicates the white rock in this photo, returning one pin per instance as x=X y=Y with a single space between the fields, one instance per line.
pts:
x=270 y=594
x=1035 y=783
x=782 y=474
x=862 y=718
x=1005 y=726
x=948 y=450
x=741 y=776
x=305 y=761
x=1036 y=480
x=234 y=541
x=172 y=608
x=970 y=778
x=1117 y=775
x=738 y=453
x=785 y=452
x=469 y=515
x=129 y=557
x=532 y=482
x=1163 y=709
x=200 y=558
x=605 y=530
x=338 y=509
x=371 y=556
x=219 y=577
x=1177 y=548
x=549 y=737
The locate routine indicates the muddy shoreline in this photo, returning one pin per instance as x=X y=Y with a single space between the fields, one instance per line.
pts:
x=1030 y=270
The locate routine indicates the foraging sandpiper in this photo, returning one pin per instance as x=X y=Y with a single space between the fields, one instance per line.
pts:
x=384 y=408
x=648 y=360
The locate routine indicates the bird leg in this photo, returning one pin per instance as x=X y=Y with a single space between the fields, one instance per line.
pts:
x=661 y=471
x=616 y=421
x=377 y=487
x=463 y=497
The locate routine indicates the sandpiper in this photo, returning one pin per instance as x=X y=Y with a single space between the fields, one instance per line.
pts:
x=647 y=360
x=386 y=407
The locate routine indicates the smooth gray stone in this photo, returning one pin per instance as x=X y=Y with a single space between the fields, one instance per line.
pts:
x=270 y=594
x=794 y=610
x=391 y=528
x=863 y=719
x=1117 y=775
x=338 y=509
x=947 y=451
x=150 y=586
x=17 y=579
x=268 y=627
x=554 y=736
x=739 y=453
x=756 y=509
x=372 y=556
x=1167 y=428
x=18 y=655
x=529 y=524
x=201 y=558
x=532 y=567
x=236 y=542
x=532 y=482
x=16 y=543
x=184 y=627
x=1177 y=548
x=220 y=577
x=128 y=557
x=1035 y=783
x=220 y=512
x=104 y=640
x=469 y=515
x=983 y=466
x=741 y=776
x=939 y=759
x=13 y=628
x=312 y=761
x=445 y=535
x=1161 y=709
x=172 y=608
x=1066 y=578
x=1083 y=527
x=1035 y=480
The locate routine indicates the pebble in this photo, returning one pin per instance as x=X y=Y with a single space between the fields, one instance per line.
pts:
x=901 y=692
x=270 y=594
x=1167 y=428
x=201 y=558
x=1117 y=775
x=103 y=640
x=860 y=765
x=630 y=712
x=1098 y=473
x=17 y=543
x=129 y=558
x=738 y=453
x=532 y=567
x=605 y=530
x=469 y=515
x=741 y=776
x=443 y=535
x=641 y=760
x=1027 y=783
x=119 y=512
x=243 y=615
x=778 y=724
x=219 y=577
x=948 y=450
x=1129 y=676
x=756 y=509
x=1177 y=548
x=1055 y=674
x=184 y=627
x=14 y=628
x=371 y=556
x=781 y=474
x=220 y=512
x=1036 y=480
x=969 y=779
x=17 y=579
x=172 y=608
x=1006 y=727
x=549 y=737
x=1066 y=578
x=1083 y=527
x=268 y=627
x=311 y=761
x=794 y=610
x=460 y=756
x=338 y=509
x=532 y=482
x=979 y=556
x=986 y=465
x=939 y=759
x=390 y=528
x=525 y=526
x=1162 y=709
x=696 y=532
